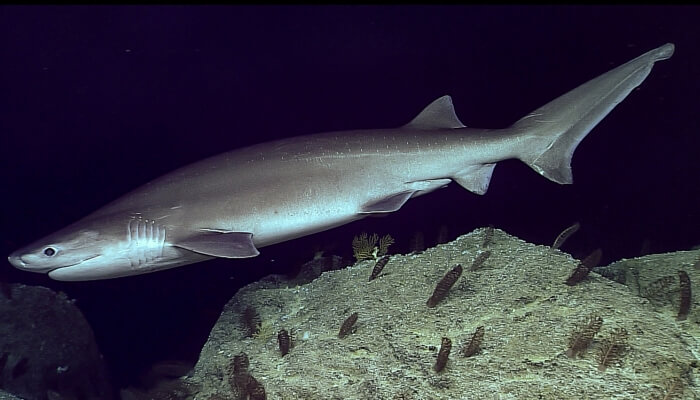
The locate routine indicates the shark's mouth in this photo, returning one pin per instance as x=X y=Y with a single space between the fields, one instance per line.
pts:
x=19 y=263
x=70 y=272
x=50 y=271
x=59 y=274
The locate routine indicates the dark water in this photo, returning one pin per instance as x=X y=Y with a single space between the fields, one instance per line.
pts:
x=98 y=100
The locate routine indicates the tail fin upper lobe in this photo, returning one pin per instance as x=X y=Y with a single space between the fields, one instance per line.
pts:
x=559 y=126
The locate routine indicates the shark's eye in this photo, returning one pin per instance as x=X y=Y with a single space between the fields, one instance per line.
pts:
x=49 y=251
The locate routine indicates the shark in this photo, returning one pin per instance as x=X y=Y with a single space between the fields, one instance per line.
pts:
x=233 y=204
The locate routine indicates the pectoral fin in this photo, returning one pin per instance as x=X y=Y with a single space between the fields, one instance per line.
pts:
x=221 y=244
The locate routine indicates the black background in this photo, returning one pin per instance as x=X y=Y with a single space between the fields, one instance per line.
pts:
x=98 y=100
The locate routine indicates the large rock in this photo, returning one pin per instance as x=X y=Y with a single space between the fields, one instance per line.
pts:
x=47 y=348
x=7 y=396
x=518 y=295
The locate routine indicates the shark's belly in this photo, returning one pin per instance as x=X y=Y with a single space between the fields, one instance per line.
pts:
x=275 y=214
x=290 y=205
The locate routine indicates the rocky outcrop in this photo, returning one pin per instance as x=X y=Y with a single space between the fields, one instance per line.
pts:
x=530 y=320
x=47 y=348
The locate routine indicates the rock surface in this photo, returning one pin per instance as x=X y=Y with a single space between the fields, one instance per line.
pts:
x=47 y=348
x=518 y=295
x=8 y=396
x=655 y=277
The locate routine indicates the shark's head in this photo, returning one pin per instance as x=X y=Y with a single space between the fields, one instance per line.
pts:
x=59 y=251
x=100 y=248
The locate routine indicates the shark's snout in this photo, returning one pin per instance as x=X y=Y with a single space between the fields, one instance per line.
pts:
x=16 y=260
x=20 y=262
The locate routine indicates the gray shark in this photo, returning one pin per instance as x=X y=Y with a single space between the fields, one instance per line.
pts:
x=232 y=204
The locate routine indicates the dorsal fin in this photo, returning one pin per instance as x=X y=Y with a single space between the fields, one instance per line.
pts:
x=440 y=114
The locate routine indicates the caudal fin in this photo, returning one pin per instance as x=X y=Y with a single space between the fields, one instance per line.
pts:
x=559 y=126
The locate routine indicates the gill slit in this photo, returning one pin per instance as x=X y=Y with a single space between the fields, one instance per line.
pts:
x=145 y=241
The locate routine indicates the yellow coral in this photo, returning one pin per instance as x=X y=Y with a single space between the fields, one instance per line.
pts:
x=365 y=247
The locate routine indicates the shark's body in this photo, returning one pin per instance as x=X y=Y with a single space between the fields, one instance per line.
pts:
x=234 y=203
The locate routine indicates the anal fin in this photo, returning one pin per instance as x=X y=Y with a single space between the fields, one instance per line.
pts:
x=476 y=178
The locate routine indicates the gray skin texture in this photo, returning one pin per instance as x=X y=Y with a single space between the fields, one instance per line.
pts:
x=234 y=203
